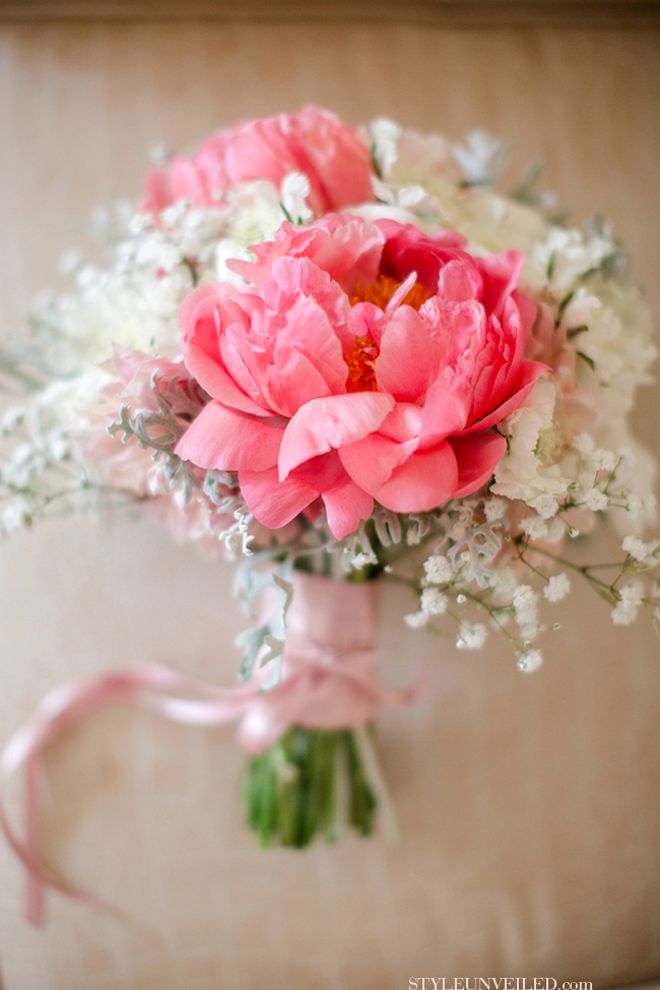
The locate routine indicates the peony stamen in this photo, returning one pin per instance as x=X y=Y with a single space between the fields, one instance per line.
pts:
x=361 y=364
x=387 y=293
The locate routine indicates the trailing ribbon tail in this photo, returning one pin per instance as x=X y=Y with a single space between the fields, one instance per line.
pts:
x=328 y=680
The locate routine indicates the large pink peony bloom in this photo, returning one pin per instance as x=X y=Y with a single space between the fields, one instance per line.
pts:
x=369 y=362
x=313 y=141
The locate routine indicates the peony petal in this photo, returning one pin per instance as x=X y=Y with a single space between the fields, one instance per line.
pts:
x=459 y=281
x=501 y=275
x=275 y=503
x=225 y=440
x=409 y=356
x=403 y=423
x=423 y=482
x=445 y=408
x=200 y=323
x=477 y=457
x=529 y=373
x=332 y=422
x=346 y=505
x=370 y=462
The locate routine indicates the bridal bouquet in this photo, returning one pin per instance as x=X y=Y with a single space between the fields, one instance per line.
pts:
x=340 y=357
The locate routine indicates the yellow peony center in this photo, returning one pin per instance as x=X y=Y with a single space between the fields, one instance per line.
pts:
x=381 y=291
x=361 y=359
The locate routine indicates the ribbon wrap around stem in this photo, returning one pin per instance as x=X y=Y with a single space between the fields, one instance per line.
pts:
x=329 y=664
x=328 y=680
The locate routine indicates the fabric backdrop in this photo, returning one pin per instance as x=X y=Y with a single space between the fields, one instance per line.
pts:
x=529 y=806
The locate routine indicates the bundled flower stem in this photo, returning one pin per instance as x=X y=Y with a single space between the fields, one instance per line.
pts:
x=312 y=782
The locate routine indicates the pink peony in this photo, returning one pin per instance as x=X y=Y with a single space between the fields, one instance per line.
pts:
x=369 y=362
x=314 y=142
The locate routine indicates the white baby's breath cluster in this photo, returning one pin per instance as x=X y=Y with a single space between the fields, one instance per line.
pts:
x=128 y=300
x=491 y=572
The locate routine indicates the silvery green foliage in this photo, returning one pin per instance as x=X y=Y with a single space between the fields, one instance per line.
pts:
x=159 y=430
x=258 y=576
x=526 y=190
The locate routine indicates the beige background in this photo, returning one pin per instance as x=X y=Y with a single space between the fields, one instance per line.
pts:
x=529 y=807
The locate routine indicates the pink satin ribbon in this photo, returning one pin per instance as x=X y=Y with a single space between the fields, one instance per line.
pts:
x=328 y=680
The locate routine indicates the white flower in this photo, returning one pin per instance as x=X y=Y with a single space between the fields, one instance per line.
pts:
x=385 y=135
x=625 y=611
x=604 y=460
x=471 y=636
x=525 y=601
x=415 y=620
x=632 y=593
x=637 y=549
x=228 y=250
x=524 y=596
x=535 y=527
x=596 y=500
x=623 y=614
x=566 y=255
x=535 y=463
x=433 y=602
x=59 y=448
x=16 y=514
x=495 y=509
x=547 y=506
x=294 y=190
x=503 y=583
x=557 y=588
x=530 y=661
x=437 y=569
x=10 y=419
x=529 y=631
